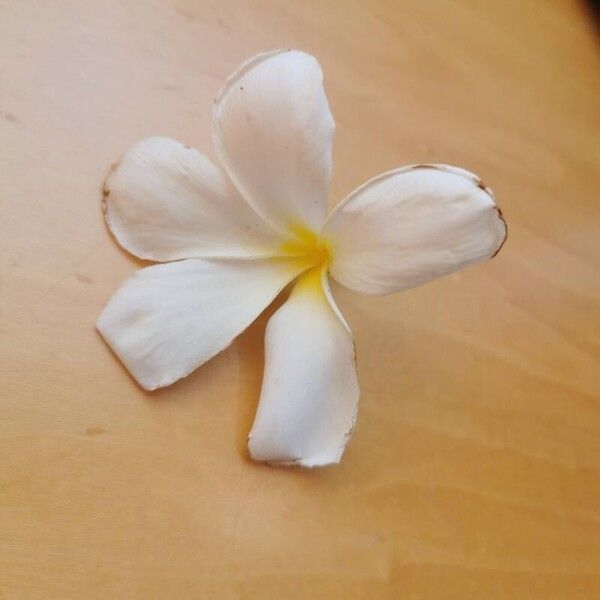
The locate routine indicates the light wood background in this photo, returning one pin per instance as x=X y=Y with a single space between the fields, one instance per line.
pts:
x=474 y=469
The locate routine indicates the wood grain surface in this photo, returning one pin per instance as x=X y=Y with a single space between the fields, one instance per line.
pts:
x=474 y=469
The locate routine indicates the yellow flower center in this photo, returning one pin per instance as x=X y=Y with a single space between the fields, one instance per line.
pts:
x=308 y=245
x=314 y=252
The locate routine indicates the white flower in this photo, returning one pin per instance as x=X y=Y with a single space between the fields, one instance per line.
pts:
x=238 y=233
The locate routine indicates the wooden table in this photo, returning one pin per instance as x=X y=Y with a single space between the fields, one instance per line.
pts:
x=474 y=469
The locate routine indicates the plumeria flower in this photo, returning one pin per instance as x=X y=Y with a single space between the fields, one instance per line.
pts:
x=232 y=236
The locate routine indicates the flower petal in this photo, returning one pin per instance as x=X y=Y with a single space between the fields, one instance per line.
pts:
x=168 y=319
x=309 y=394
x=411 y=225
x=165 y=201
x=273 y=131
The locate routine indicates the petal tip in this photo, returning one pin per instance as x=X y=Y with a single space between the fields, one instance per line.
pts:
x=106 y=190
x=498 y=213
x=306 y=462
x=99 y=325
x=105 y=204
x=102 y=326
x=244 y=67
x=505 y=234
